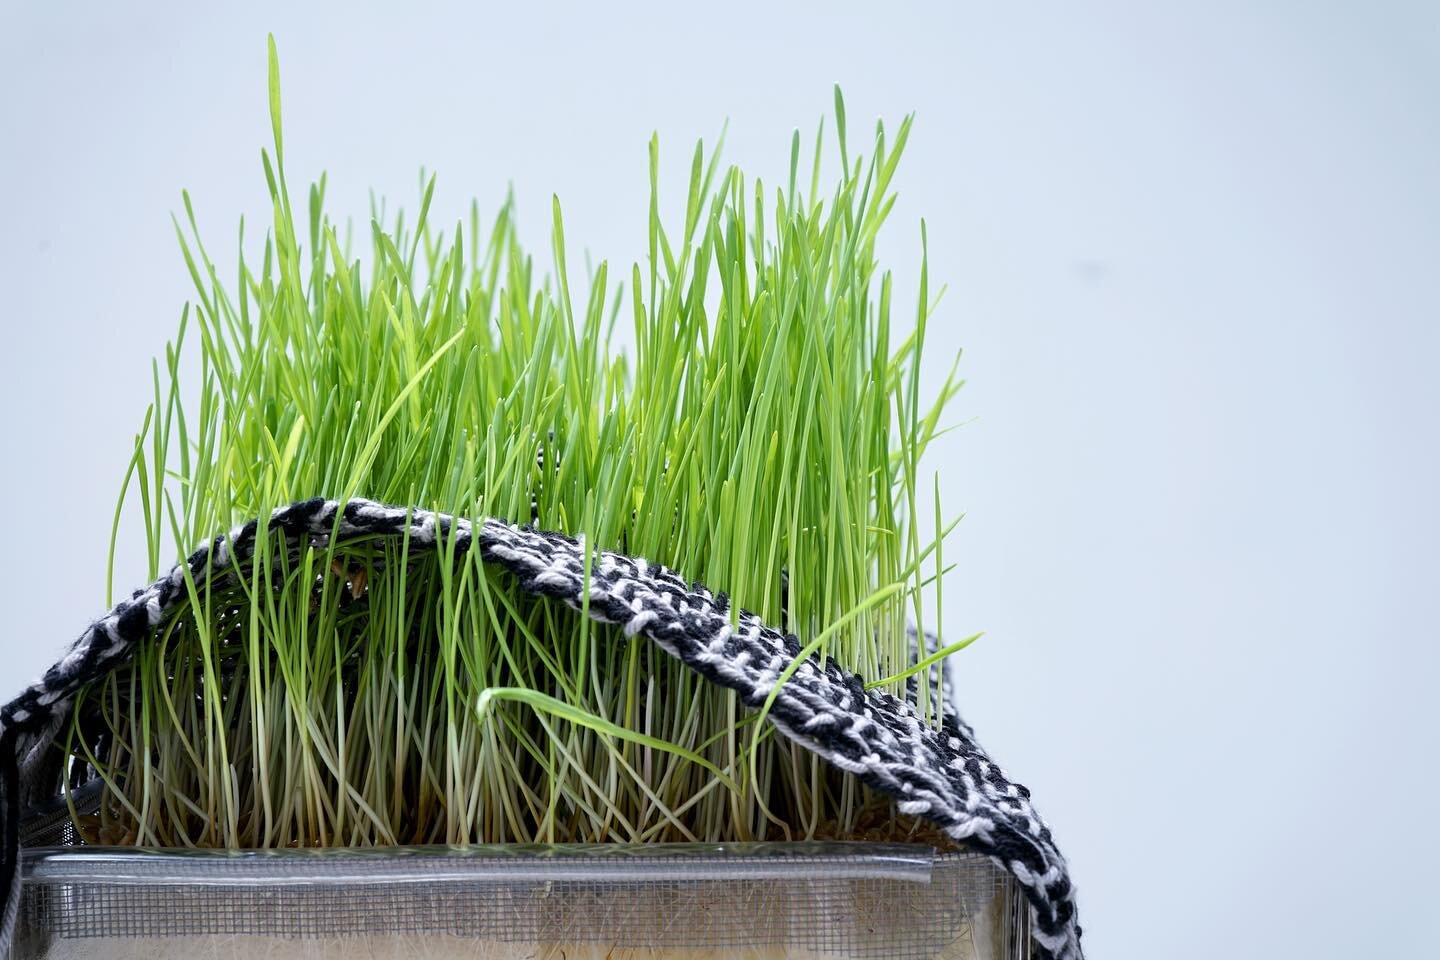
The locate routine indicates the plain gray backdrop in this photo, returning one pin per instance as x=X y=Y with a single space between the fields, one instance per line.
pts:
x=1194 y=262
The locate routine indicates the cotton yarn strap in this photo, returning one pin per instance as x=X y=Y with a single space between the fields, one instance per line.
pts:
x=941 y=775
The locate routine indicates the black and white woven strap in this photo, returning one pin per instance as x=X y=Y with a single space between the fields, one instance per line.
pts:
x=941 y=775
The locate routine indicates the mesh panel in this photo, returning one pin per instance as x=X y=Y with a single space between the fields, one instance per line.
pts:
x=52 y=826
x=568 y=902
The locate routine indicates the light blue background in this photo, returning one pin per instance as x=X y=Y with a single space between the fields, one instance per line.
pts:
x=1194 y=260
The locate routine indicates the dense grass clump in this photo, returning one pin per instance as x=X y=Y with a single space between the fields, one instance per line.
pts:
x=764 y=436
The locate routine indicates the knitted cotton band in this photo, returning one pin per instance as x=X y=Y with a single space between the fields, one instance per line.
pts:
x=941 y=775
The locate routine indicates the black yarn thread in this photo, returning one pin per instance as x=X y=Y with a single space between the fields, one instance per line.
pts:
x=943 y=776
x=10 y=827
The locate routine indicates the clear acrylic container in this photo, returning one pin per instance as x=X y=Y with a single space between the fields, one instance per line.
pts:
x=828 y=900
x=767 y=900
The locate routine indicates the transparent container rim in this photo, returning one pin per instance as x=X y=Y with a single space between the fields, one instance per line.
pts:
x=912 y=863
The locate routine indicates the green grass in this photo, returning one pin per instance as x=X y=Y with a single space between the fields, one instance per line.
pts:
x=767 y=425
